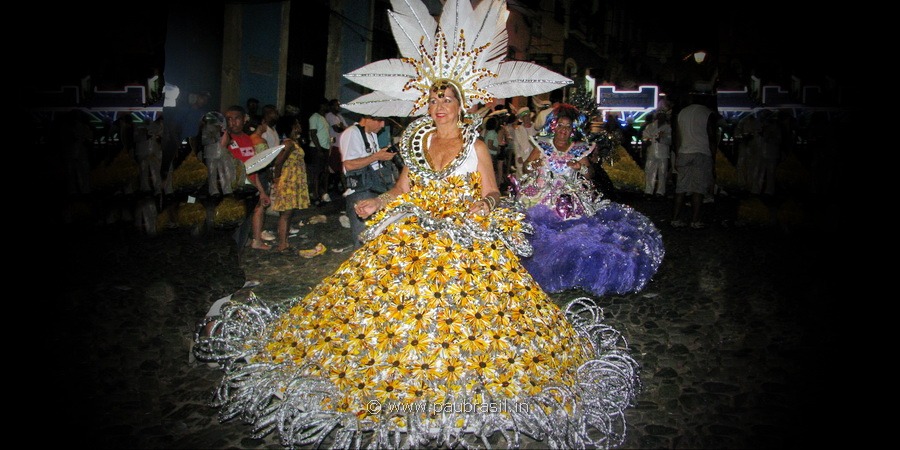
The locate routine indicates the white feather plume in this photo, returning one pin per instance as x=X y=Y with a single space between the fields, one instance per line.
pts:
x=388 y=75
x=490 y=27
x=481 y=73
x=517 y=78
x=382 y=104
x=457 y=15
x=410 y=22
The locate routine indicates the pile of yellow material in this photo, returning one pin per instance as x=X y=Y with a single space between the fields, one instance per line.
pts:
x=624 y=173
x=191 y=214
x=229 y=211
x=726 y=174
x=752 y=211
x=191 y=174
x=121 y=173
x=792 y=176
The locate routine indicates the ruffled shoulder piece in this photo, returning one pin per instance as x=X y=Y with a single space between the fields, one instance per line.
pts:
x=504 y=224
x=414 y=142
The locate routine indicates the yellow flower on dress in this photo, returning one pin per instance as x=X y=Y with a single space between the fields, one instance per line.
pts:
x=510 y=362
x=344 y=353
x=414 y=260
x=452 y=370
x=473 y=342
x=497 y=341
x=461 y=182
x=341 y=376
x=476 y=318
x=383 y=289
x=369 y=366
x=443 y=245
x=502 y=316
x=362 y=388
x=492 y=271
x=440 y=271
x=417 y=390
x=461 y=292
x=449 y=322
x=513 y=271
x=395 y=365
x=490 y=294
x=494 y=250
x=388 y=390
x=482 y=364
x=409 y=285
x=519 y=313
x=435 y=293
x=387 y=267
x=468 y=272
x=533 y=360
x=447 y=345
x=416 y=346
x=422 y=318
x=322 y=347
x=425 y=367
x=399 y=308
x=388 y=338
x=503 y=384
x=373 y=315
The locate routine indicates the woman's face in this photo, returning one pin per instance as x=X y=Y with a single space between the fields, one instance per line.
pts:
x=562 y=132
x=443 y=106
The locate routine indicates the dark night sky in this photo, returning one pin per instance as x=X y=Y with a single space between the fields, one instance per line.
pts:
x=801 y=39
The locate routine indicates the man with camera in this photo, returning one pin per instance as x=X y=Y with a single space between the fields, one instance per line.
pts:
x=367 y=168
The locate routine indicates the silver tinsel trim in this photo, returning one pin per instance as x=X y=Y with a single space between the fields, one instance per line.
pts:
x=274 y=397
x=413 y=146
x=463 y=234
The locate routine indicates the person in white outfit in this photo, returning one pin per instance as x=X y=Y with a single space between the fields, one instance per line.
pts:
x=521 y=135
x=697 y=140
x=658 y=135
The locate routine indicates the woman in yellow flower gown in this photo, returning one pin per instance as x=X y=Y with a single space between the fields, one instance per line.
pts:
x=432 y=333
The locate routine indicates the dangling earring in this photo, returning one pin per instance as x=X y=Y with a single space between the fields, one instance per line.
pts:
x=459 y=121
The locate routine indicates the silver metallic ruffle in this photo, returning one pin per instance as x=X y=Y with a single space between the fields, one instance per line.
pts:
x=274 y=398
x=463 y=230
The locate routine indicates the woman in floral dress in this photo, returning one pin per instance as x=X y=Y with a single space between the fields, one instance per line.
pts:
x=580 y=239
x=289 y=191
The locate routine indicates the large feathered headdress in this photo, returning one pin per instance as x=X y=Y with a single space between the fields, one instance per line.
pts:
x=466 y=49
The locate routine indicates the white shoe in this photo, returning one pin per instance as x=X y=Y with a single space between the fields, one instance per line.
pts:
x=326 y=198
x=344 y=220
x=268 y=235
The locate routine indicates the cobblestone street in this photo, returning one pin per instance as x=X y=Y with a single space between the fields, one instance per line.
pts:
x=732 y=334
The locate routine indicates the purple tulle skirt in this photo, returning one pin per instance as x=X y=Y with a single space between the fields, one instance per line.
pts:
x=616 y=250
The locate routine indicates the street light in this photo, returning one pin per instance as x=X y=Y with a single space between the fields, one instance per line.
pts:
x=699 y=56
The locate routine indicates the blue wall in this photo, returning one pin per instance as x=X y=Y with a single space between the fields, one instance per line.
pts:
x=354 y=42
x=261 y=39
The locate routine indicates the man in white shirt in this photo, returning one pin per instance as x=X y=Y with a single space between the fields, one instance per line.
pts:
x=697 y=140
x=359 y=149
x=270 y=117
